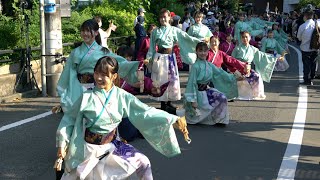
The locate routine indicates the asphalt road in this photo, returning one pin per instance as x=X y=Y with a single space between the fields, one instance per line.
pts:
x=251 y=147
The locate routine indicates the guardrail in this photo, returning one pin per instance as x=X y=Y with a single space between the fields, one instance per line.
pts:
x=20 y=53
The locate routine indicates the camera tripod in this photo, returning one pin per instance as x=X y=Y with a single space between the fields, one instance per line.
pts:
x=27 y=66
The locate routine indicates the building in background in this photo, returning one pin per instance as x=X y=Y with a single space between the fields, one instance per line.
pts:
x=279 y=5
x=289 y=5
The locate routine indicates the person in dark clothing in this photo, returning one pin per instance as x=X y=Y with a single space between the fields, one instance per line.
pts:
x=140 y=34
x=308 y=53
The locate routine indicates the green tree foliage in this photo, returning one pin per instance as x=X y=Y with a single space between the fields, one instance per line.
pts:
x=171 y=5
x=14 y=27
x=303 y=3
x=232 y=5
x=129 y=5
x=9 y=36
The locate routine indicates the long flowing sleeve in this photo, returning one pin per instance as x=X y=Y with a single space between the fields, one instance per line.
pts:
x=283 y=34
x=66 y=125
x=199 y=31
x=152 y=48
x=237 y=31
x=235 y=52
x=264 y=64
x=224 y=82
x=69 y=88
x=279 y=48
x=191 y=31
x=187 y=45
x=155 y=125
x=127 y=69
x=192 y=86
x=232 y=63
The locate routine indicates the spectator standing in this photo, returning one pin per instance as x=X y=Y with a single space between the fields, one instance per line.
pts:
x=176 y=21
x=308 y=55
x=141 y=12
x=140 y=34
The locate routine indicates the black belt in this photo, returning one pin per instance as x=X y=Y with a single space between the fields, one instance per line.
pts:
x=99 y=139
x=165 y=50
x=202 y=87
x=270 y=51
x=85 y=78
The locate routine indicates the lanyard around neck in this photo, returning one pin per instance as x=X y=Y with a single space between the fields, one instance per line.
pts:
x=104 y=104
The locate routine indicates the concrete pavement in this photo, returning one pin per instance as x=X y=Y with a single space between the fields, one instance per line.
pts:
x=251 y=147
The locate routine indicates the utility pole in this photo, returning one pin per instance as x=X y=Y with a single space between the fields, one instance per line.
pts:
x=53 y=41
x=0 y=7
x=43 y=49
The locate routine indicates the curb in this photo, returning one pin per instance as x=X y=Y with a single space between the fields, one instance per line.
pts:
x=13 y=97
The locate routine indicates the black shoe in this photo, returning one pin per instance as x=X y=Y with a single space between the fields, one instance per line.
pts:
x=171 y=110
x=220 y=125
x=171 y=105
x=163 y=105
x=309 y=83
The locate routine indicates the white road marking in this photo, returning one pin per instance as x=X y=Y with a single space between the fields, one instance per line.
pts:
x=290 y=159
x=9 y=126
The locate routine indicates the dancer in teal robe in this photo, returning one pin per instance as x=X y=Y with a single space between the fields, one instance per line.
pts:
x=271 y=46
x=77 y=74
x=263 y=66
x=241 y=26
x=280 y=36
x=93 y=132
x=199 y=30
x=205 y=104
x=162 y=60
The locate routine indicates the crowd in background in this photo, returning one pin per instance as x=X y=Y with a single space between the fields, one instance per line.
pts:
x=227 y=56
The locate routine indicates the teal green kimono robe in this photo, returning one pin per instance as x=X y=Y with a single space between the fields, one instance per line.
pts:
x=244 y=26
x=281 y=37
x=155 y=125
x=167 y=36
x=262 y=22
x=254 y=25
x=83 y=60
x=200 y=31
x=271 y=44
x=203 y=72
x=264 y=63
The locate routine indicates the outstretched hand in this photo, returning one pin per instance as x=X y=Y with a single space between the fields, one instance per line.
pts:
x=61 y=152
x=112 y=26
x=145 y=62
x=281 y=58
x=181 y=124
